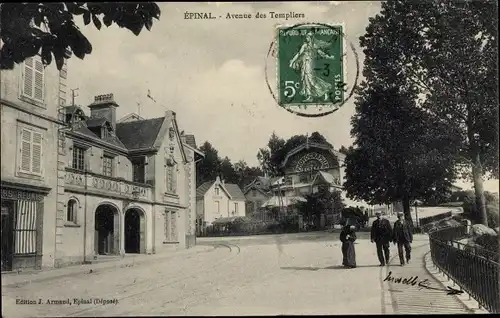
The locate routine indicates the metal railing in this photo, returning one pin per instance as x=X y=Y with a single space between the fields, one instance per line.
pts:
x=474 y=269
x=452 y=233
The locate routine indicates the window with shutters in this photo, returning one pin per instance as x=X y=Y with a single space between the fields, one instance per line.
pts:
x=30 y=151
x=79 y=158
x=33 y=85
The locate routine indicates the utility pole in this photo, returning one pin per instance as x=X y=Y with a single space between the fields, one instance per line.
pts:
x=73 y=95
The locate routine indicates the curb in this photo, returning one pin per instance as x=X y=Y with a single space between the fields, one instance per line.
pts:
x=86 y=268
x=467 y=301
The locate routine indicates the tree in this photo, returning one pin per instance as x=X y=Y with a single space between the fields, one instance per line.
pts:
x=209 y=167
x=400 y=153
x=227 y=171
x=447 y=50
x=343 y=150
x=212 y=166
x=268 y=157
x=49 y=29
x=322 y=202
x=245 y=173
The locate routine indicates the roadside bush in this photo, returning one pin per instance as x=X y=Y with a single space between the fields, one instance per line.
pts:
x=491 y=208
x=492 y=211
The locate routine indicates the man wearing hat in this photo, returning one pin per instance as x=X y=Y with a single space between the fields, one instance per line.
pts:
x=381 y=234
x=402 y=235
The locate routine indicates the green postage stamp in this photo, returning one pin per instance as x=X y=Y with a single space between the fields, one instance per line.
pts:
x=310 y=65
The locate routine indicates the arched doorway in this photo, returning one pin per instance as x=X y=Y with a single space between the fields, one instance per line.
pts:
x=135 y=231
x=107 y=230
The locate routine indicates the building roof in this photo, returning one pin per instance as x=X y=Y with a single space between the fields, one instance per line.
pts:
x=190 y=140
x=259 y=182
x=96 y=121
x=235 y=191
x=264 y=192
x=139 y=134
x=130 y=117
x=339 y=156
x=325 y=177
x=201 y=190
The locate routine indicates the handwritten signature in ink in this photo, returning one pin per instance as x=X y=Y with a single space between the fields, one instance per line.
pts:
x=425 y=283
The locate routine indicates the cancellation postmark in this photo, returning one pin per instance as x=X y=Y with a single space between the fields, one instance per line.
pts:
x=311 y=68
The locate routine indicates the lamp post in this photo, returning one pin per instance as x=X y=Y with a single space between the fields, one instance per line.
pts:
x=417 y=202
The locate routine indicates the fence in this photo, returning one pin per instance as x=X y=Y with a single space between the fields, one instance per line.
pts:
x=475 y=270
x=450 y=233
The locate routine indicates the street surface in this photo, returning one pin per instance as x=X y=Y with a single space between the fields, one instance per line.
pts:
x=271 y=275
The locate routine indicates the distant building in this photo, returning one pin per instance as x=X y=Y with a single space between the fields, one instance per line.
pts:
x=256 y=193
x=307 y=168
x=129 y=186
x=217 y=199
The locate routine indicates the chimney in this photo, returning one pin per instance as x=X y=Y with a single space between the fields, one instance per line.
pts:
x=104 y=106
x=223 y=182
x=217 y=179
x=183 y=137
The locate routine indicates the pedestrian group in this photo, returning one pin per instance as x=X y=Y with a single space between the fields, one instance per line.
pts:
x=382 y=234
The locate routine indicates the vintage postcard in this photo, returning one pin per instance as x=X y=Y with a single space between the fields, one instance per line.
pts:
x=253 y=158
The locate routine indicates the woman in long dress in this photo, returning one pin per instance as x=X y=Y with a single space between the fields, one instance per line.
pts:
x=303 y=61
x=347 y=237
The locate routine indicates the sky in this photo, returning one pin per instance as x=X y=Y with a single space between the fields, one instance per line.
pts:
x=212 y=72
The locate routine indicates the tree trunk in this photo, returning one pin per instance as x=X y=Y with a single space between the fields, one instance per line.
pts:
x=407 y=210
x=477 y=174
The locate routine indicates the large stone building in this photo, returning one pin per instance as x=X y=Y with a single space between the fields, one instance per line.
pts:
x=129 y=187
x=31 y=98
x=75 y=187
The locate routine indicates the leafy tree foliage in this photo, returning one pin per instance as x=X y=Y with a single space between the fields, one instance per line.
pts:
x=343 y=150
x=446 y=50
x=212 y=166
x=323 y=201
x=27 y=29
x=270 y=158
x=209 y=168
x=400 y=153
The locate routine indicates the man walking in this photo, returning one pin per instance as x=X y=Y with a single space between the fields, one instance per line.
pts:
x=403 y=237
x=381 y=234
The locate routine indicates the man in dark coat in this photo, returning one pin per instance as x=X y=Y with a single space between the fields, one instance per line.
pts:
x=402 y=236
x=381 y=234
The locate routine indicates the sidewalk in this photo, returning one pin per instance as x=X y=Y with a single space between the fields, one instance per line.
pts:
x=16 y=280
x=407 y=299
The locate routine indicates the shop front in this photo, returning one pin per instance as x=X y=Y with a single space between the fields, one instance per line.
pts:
x=22 y=220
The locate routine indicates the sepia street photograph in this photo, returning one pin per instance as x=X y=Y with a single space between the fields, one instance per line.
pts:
x=249 y=158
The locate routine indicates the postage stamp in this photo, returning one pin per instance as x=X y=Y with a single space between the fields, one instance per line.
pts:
x=310 y=65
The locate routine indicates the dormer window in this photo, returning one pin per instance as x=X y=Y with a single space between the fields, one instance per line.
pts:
x=104 y=132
